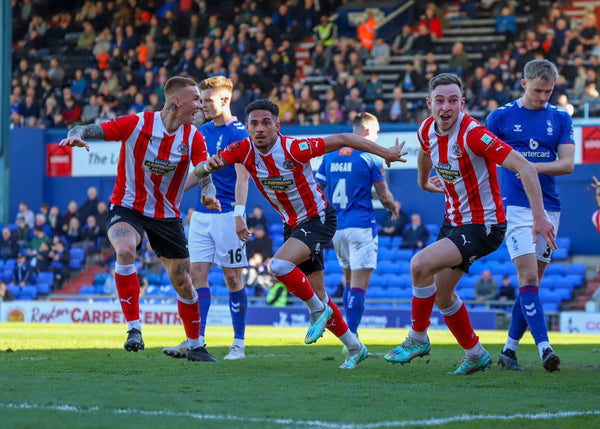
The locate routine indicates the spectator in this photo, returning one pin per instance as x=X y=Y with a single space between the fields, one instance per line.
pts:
x=71 y=113
x=411 y=80
x=5 y=293
x=9 y=247
x=506 y=24
x=56 y=73
x=22 y=232
x=257 y=219
x=79 y=85
x=71 y=213
x=60 y=258
x=380 y=54
x=374 y=89
x=415 y=235
x=261 y=243
x=486 y=287
x=507 y=290
x=398 y=111
x=22 y=273
x=390 y=227
x=459 y=59
x=326 y=33
x=90 y=207
x=403 y=42
x=39 y=237
x=87 y=39
x=380 y=111
x=564 y=104
x=73 y=232
x=26 y=213
x=88 y=238
x=432 y=22
x=366 y=31
x=55 y=220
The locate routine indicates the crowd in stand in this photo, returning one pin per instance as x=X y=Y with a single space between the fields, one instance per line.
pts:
x=42 y=242
x=84 y=61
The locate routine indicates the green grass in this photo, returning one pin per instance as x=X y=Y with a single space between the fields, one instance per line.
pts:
x=55 y=376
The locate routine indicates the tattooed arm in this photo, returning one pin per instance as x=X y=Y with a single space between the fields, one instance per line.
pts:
x=209 y=193
x=76 y=137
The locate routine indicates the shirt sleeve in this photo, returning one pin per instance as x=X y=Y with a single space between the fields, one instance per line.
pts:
x=567 y=133
x=198 y=152
x=234 y=152
x=119 y=129
x=303 y=150
x=486 y=145
x=321 y=176
x=376 y=169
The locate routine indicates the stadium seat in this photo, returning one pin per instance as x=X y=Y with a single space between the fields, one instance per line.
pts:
x=576 y=269
x=9 y=264
x=75 y=264
x=28 y=292
x=153 y=278
x=564 y=293
x=87 y=290
x=7 y=276
x=557 y=269
x=16 y=290
x=467 y=293
x=378 y=280
x=77 y=253
x=385 y=240
x=275 y=229
x=377 y=292
x=386 y=253
x=43 y=288
x=575 y=279
x=560 y=254
x=332 y=280
x=404 y=255
x=564 y=243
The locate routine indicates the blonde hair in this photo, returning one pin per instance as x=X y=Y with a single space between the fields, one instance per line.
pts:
x=218 y=83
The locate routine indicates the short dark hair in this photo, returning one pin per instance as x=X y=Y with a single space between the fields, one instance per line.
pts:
x=177 y=82
x=445 y=79
x=263 y=104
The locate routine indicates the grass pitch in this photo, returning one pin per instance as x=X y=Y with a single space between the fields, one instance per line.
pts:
x=56 y=376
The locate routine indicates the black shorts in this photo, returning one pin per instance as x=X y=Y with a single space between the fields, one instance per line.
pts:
x=316 y=232
x=473 y=241
x=166 y=236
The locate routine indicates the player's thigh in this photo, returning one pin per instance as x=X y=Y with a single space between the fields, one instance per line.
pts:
x=200 y=238
x=230 y=251
x=519 y=234
x=341 y=245
x=363 y=249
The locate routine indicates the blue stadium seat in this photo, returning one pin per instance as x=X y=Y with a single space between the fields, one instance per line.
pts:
x=75 y=264
x=576 y=269
x=386 y=253
x=433 y=228
x=467 y=293
x=87 y=290
x=467 y=282
x=560 y=254
x=153 y=278
x=16 y=290
x=378 y=280
x=377 y=292
x=77 y=253
x=28 y=292
x=564 y=293
x=7 y=276
x=215 y=277
x=12 y=226
x=567 y=282
x=334 y=268
x=275 y=229
x=404 y=255
x=9 y=264
x=332 y=280
x=168 y=290
x=43 y=288
x=575 y=279
x=385 y=240
x=477 y=268
x=557 y=269
x=564 y=243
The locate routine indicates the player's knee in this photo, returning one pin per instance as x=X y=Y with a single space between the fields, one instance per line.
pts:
x=125 y=254
x=281 y=267
x=418 y=269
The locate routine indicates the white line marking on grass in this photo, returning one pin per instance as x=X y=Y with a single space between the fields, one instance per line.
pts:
x=305 y=423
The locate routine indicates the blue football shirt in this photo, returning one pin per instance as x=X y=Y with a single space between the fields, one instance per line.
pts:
x=348 y=175
x=218 y=137
x=535 y=134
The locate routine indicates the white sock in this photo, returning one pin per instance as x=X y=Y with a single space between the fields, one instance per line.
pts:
x=202 y=340
x=134 y=324
x=194 y=344
x=543 y=345
x=475 y=352
x=239 y=342
x=512 y=344
x=351 y=342
x=314 y=304
x=419 y=336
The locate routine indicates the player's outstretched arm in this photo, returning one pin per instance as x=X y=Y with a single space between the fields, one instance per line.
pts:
x=77 y=136
x=241 y=196
x=531 y=183
x=214 y=163
x=391 y=154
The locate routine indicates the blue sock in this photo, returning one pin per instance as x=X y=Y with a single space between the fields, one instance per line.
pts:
x=518 y=324
x=534 y=312
x=355 y=309
x=345 y=297
x=204 y=298
x=238 y=304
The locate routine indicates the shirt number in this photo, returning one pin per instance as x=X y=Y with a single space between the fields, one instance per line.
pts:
x=339 y=195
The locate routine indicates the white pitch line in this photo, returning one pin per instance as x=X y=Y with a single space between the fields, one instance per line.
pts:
x=305 y=423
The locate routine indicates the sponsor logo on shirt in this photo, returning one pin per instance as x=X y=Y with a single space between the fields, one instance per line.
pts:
x=277 y=183
x=446 y=173
x=517 y=128
x=159 y=166
x=303 y=146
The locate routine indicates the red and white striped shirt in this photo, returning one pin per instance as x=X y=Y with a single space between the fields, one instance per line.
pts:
x=153 y=164
x=284 y=175
x=596 y=220
x=465 y=160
